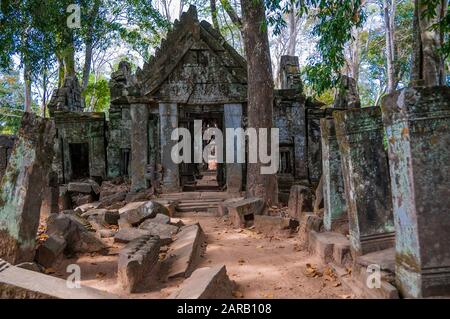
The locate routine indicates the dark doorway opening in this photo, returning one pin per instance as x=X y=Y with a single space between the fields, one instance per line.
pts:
x=79 y=159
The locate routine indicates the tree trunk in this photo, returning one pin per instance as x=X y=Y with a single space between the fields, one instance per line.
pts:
x=232 y=13
x=389 y=7
x=417 y=55
x=431 y=69
x=292 y=22
x=260 y=93
x=214 y=18
x=27 y=81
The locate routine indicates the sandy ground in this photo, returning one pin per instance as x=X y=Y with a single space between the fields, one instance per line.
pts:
x=261 y=266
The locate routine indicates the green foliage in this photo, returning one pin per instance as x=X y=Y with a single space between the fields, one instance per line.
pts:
x=97 y=95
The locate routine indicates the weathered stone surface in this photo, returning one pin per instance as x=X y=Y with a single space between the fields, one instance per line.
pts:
x=290 y=75
x=6 y=147
x=417 y=122
x=125 y=235
x=168 y=121
x=206 y=283
x=223 y=207
x=185 y=252
x=232 y=114
x=112 y=199
x=67 y=97
x=335 y=214
x=138 y=261
x=322 y=244
x=300 y=201
x=272 y=224
x=309 y=222
x=318 y=200
x=242 y=212
x=78 y=187
x=164 y=231
x=76 y=232
x=135 y=213
x=86 y=207
x=139 y=147
x=366 y=179
x=103 y=216
x=22 y=188
x=80 y=146
x=18 y=283
x=51 y=251
x=81 y=200
x=160 y=219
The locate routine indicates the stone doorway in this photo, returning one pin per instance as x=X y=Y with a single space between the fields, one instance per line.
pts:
x=205 y=176
x=79 y=160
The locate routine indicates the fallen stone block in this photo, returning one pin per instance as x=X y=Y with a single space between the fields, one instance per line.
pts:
x=300 y=201
x=107 y=233
x=76 y=232
x=186 y=251
x=80 y=200
x=322 y=244
x=81 y=188
x=125 y=235
x=206 y=283
x=86 y=207
x=108 y=189
x=164 y=231
x=272 y=224
x=242 y=213
x=223 y=207
x=169 y=204
x=64 y=200
x=109 y=200
x=138 y=264
x=135 y=213
x=50 y=252
x=160 y=219
x=18 y=283
x=102 y=216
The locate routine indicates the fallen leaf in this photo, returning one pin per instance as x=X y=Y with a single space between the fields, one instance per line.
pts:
x=238 y=294
x=49 y=271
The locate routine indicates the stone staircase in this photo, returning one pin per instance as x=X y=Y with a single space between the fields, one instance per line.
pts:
x=195 y=202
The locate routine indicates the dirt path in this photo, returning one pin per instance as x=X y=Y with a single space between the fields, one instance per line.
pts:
x=262 y=267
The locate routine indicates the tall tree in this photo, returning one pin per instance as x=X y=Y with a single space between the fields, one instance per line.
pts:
x=260 y=92
x=428 y=66
x=389 y=10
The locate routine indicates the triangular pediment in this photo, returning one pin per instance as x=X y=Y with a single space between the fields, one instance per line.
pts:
x=194 y=65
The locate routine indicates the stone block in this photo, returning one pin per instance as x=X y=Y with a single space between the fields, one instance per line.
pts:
x=272 y=224
x=164 y=231
x=50 y=252
x=109 y=200
x=22 y=187
x=300 y=201
x=125 y=235
x=206 y=283
x=186 y=251
x=322 y=244
x=136 y=213
x=18 y=283
x=335 y=213
x=78 y=187
x=102 y=216
x=417 y=122
x=138 y=264
x=242 y=213
x=360 y=136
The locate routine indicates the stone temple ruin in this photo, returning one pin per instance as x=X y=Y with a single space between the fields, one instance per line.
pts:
x=362 y=186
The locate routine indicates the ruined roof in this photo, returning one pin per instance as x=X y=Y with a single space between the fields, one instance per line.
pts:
x=193 y=61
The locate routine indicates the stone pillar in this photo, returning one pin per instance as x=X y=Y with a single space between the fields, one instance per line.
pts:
x=417 y=122
x=335 y=214
x=314 y=144
x=289 y=75
x=22 y=187
x=139 y=149
x=366 y=179
x=168 y=122
x=233 y=119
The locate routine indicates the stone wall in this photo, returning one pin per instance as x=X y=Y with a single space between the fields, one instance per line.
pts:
x=80 y=128
x=6 y=146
